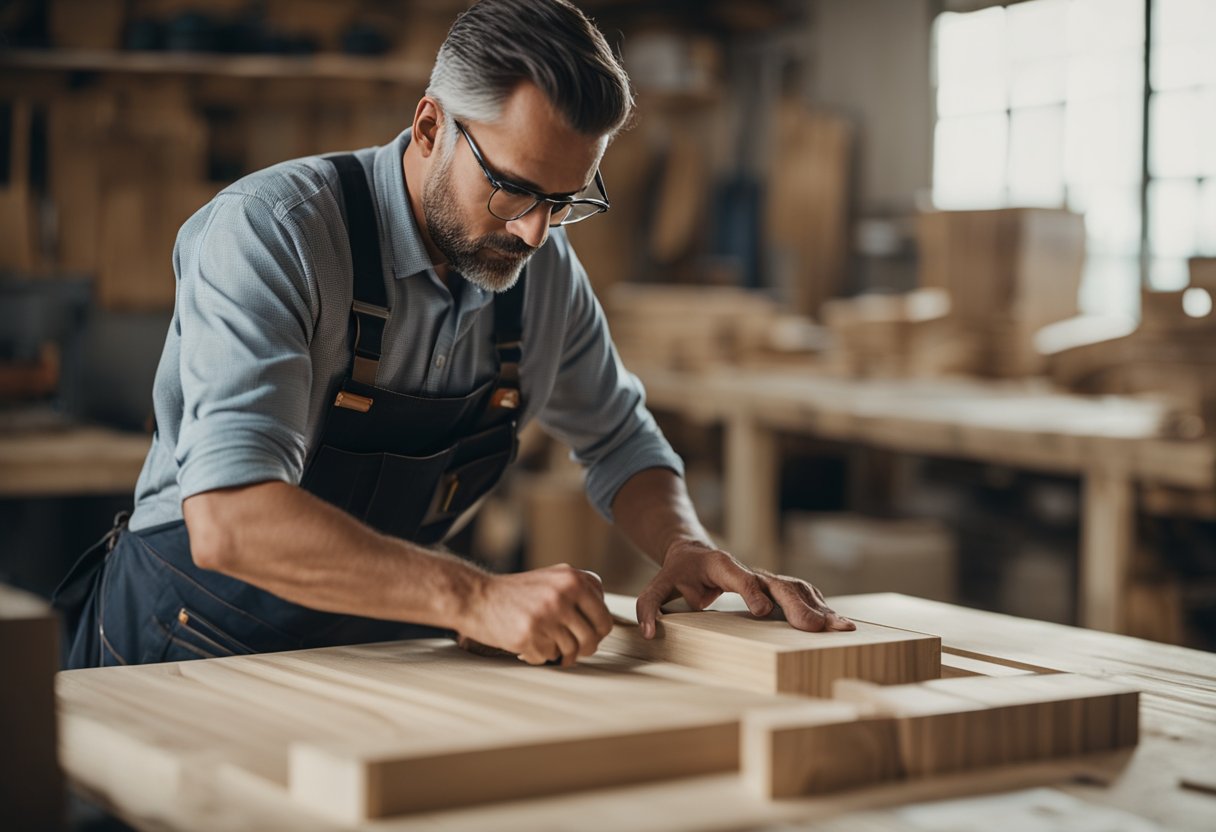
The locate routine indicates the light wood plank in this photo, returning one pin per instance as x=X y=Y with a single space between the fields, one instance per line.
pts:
x=935 y=728
x=362 y=732
x=771 y=656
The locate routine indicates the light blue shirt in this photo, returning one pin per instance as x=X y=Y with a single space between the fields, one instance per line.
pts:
x=258 y=342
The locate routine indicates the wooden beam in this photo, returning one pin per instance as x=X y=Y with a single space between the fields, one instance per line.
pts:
x=1108 y=535
x=752 y=494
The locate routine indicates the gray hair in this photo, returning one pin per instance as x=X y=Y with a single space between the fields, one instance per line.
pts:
x=497 y=44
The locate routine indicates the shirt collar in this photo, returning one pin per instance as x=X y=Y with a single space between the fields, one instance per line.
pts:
x=409 y=254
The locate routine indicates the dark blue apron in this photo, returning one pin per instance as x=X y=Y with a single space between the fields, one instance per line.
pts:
x=406 y=465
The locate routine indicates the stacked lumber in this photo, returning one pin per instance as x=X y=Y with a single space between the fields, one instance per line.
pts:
x=1008 y=272
x=1169 y=356
x=897 y=335
x=688 y=327
x=933 y=728
x=31 y=785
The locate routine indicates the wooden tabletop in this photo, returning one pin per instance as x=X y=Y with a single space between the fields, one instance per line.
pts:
x=1021 y=423
x=1138 y=789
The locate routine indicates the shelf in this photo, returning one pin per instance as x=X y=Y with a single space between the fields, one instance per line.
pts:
x=320 y=67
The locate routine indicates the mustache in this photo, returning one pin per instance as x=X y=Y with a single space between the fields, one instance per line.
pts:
x=506 y=244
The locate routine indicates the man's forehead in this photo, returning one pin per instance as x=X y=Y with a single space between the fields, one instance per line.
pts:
x=532 y=145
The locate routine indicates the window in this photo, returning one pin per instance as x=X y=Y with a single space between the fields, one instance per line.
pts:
x=1182 y=139
x=1042 y=103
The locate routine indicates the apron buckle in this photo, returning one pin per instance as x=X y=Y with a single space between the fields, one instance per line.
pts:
x=353 y=401
x=505 y=397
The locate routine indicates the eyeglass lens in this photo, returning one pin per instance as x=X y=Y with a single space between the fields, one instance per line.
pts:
x=509 y=206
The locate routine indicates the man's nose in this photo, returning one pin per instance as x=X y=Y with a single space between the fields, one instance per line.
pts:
x=532 y=227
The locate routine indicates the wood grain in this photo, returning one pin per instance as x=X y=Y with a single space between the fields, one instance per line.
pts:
x=1178 y=733
x=935 y=728
x=770 y=656
x=363 y=732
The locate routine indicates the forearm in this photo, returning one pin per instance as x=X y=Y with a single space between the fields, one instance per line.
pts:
x=284 y=540
x=654 y=511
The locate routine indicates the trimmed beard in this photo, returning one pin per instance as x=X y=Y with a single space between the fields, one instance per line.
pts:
x=495 y=272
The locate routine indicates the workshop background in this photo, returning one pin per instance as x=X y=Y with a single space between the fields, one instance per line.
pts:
x=920 y=289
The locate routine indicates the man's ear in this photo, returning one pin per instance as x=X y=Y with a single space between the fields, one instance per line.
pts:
x=427 y=118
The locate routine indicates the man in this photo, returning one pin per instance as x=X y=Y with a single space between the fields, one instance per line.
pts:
x=355 y=342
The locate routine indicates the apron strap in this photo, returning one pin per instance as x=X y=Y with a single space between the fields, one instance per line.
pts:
x=369 y=311
x=508 y=343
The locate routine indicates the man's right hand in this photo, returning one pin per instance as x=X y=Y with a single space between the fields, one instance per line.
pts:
x=540 y=615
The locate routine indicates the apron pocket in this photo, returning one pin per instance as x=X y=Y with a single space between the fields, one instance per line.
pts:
x=404 y=490
x=343 y=478
x=465 y=485
x=487 y=443
x=190 y=636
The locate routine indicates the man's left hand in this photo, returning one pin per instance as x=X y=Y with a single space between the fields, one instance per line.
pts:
x=700 y=573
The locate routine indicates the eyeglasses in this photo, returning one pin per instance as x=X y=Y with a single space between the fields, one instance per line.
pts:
x=509 y=201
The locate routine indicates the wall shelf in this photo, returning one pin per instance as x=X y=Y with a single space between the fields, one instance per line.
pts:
x=320 y=67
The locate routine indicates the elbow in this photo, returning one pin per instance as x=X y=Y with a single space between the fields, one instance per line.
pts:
x=213 y=544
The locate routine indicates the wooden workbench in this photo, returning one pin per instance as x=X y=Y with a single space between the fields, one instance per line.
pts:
x=1137 y=789
x=71 y=461
x=1112 y=443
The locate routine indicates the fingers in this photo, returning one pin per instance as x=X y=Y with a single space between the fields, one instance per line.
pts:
x=597 y=616
x=804 y=606
x=650 y=599
x=567 y=644
x=575 y=617
x=539 y=651
x=732 y=576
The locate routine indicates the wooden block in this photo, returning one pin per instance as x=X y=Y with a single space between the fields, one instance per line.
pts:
x=932 y=728
x=816 y=748
x=31 y=785
x=1074 y=714
x=952 y=724
x=773 y=657
x=353 y=783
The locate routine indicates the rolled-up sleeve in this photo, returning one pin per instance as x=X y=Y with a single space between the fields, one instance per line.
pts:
x=244 y=311
x=598 y=407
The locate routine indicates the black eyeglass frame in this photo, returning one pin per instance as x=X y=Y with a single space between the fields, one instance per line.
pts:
x=499 y=184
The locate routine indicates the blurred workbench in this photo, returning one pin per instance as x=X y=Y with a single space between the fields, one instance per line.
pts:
x=1113 y=444
x=67 y=459
x=132 y=755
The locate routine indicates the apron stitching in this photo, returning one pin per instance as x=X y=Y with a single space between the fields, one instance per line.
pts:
x=103 y=642
x=192 y=647
x=165 y=564
x=193 y=616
